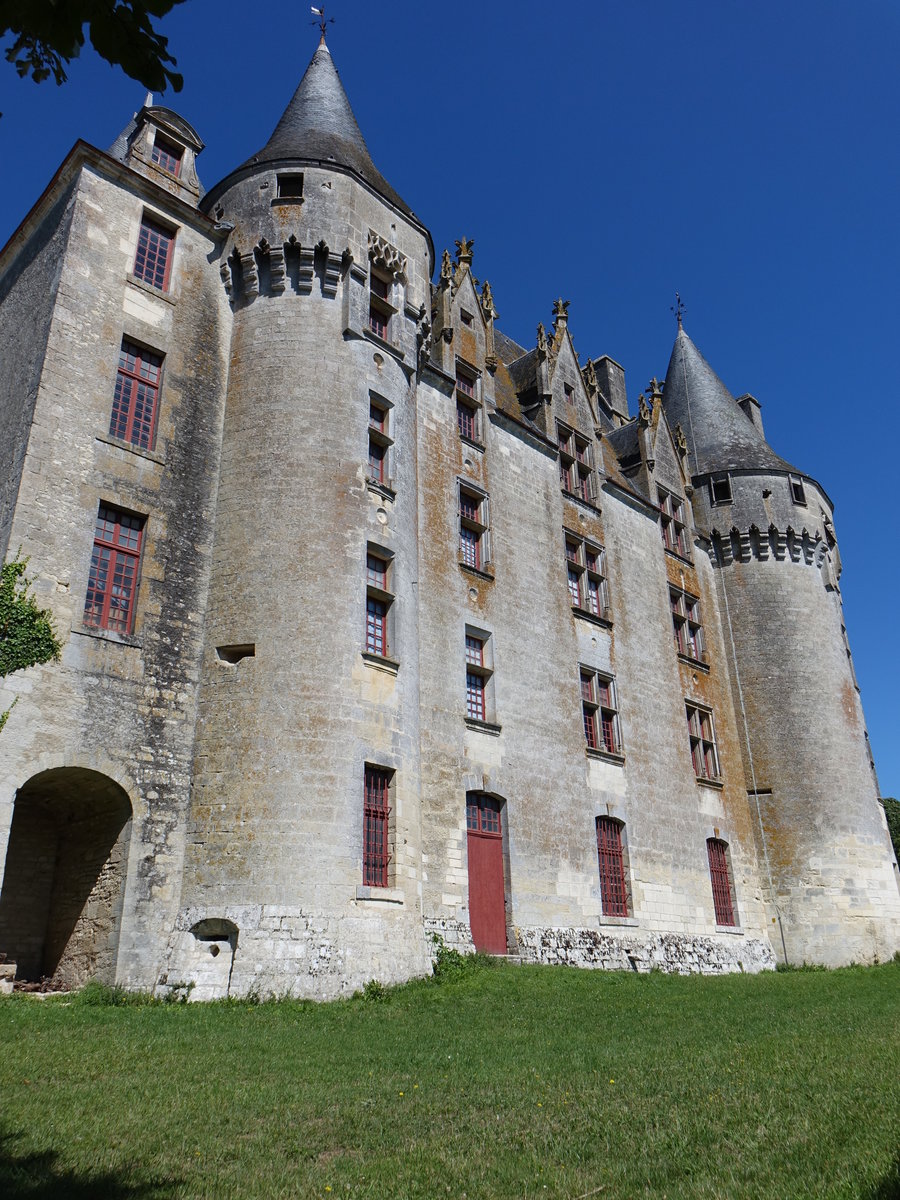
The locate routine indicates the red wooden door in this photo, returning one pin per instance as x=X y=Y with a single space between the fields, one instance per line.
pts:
x=487 y=897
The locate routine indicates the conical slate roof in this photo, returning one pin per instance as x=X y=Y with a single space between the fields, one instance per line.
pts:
x=720 y=436
x=319 y=126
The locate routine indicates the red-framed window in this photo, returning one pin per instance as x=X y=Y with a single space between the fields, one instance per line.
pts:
x=600 y=712
x=467 y=410
x=702 y=735
x=672 y=522
x=167 y=155
x=720 y=877
x=575 y=463
x=379 y=307
x=379 y=441
x=586 y=574
x=153 y=260
x=115 y=564
x=376 y=825
x=476 y=683
x=136 y=396
x=483 y=814
x=686 y=624
x=611 y=859
x=378 y=603
x=473 y=528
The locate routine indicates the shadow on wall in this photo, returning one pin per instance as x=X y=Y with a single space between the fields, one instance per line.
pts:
x=39 y=1176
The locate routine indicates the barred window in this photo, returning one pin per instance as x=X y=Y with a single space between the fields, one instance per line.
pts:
x=115 y=564
x=376 y=825
x=136 y=396
x=720 y=877
x=613 y=890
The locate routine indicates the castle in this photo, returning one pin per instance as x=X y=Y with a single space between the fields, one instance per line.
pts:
x=378 y=625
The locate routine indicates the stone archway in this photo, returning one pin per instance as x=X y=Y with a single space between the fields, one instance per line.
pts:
x=64 y=880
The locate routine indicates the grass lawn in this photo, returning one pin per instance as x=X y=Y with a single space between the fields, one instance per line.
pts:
x=503 y=1081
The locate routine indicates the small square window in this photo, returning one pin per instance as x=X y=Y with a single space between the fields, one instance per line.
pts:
x=798 y=493
x=720 y=488
x=289 y=187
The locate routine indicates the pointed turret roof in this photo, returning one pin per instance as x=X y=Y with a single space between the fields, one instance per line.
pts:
x=720 y=436
x=318 y=126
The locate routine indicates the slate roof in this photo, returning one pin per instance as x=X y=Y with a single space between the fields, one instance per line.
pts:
x=720 y=436
x=318 y=126
x=624 y=442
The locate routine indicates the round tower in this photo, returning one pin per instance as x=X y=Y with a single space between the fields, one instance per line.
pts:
x=304 y=862
x=824 y=851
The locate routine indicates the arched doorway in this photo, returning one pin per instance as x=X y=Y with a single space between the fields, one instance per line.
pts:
x=64 y=881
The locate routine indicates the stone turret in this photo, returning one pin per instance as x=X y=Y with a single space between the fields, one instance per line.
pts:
x=311 y=659
x=822 y=837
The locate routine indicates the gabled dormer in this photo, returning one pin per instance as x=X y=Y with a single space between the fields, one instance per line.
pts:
x=162 y=146
x=463 y=317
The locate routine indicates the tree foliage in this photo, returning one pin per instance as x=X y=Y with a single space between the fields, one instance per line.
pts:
x=27 y=635
x=48 y=34
x=892 y=812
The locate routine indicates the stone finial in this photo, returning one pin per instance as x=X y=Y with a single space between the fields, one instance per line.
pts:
x=560 y=313
x=680 y=441
x=541 y=340
x=654 y=389
x=487 y=302
x=464 y=251
x=446 y=267
x=643 y=412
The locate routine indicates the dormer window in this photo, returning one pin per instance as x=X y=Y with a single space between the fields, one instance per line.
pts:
x=167 y=155
x=575 y=463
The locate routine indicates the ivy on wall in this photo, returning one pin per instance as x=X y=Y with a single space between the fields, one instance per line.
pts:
x=27 y=634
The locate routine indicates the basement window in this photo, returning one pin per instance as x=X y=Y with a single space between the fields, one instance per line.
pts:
x=234 y=654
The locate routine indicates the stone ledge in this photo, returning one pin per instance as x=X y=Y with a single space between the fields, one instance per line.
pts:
x=379 y=894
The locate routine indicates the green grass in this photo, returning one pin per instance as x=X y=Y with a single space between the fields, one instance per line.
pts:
x=497 y=1082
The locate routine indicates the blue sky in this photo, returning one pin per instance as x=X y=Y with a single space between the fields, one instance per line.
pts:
x=743 y=153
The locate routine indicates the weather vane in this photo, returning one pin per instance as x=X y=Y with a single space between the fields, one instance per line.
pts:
x=678 y=308
x=322 y=21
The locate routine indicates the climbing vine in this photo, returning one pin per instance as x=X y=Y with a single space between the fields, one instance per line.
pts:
x=27 y=635
x=892 y=809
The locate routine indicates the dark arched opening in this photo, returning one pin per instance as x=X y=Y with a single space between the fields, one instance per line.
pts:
x=64 y=881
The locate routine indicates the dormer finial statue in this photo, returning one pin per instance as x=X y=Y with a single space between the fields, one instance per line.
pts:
x=541 y=339
x=487 y=302
x=446 y=267
x=464 y=251
x=643 y=411
x=680 y=441
x=561 y=312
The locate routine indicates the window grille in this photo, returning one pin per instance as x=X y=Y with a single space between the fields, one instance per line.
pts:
x=721 y=881
x=613 y=892
x=376 y=822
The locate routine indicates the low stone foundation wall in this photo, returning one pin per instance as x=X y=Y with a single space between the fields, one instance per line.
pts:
x=612 y=950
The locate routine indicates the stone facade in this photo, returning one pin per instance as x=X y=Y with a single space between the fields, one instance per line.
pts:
x=383 y=547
